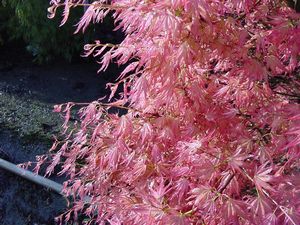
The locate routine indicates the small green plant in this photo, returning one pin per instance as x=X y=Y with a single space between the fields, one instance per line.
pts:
x=27 y=20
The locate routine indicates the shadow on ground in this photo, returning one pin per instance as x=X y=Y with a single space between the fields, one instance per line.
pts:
x=28 y=93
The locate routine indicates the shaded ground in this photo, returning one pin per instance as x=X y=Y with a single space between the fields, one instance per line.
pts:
x=27 y=95
x=22 y=202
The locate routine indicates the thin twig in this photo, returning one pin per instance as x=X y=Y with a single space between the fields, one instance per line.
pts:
x=287 y=94
x=268 y=195
x=228 y=180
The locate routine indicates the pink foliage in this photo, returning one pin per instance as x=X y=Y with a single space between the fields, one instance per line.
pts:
x=212 y=129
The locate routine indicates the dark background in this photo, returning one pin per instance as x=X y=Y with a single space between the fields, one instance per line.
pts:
x=40 y=66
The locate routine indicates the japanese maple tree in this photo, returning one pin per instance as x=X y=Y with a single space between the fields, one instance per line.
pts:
x=212 y=126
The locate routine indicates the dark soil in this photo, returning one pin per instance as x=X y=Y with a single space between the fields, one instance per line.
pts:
x=28 y=93
x=22 y=202
x=54 y=83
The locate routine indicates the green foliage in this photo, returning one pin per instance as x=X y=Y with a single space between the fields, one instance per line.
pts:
x=28 y=20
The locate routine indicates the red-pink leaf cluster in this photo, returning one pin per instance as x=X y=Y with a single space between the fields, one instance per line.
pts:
x=211 y=134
